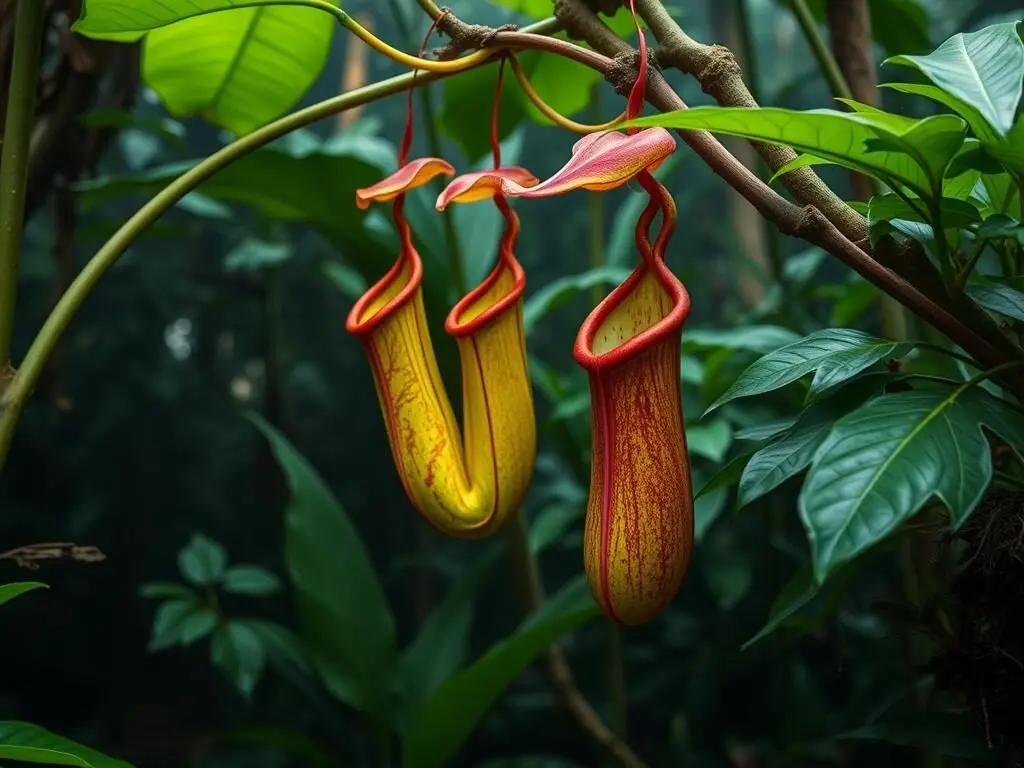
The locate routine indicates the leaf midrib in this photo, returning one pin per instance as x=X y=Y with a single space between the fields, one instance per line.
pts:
x=243 y=44
x=932 y=415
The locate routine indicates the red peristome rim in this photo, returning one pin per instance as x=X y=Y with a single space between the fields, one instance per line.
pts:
x=352 y=323
x=671 y=323
x=506 y=260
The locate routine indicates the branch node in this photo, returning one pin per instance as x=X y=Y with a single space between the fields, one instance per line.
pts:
x=465 y=37
x=625 y=68
x=719 y=69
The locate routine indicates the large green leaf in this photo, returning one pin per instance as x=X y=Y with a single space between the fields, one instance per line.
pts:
x=239 y=69
x=103 y=16
x=342 y=609
x=29 y=743
x=984 y=69
x=979 y=125
x=10 y=591
x=882 y=462
x=451 y=714
x=833 y=354
x=890 y=147
x=998 y=297
x=439 y=647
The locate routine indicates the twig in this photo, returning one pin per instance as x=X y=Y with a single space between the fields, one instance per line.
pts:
x=29 y=555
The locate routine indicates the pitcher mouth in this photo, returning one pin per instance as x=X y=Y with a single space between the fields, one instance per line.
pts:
x=364 y=317
x=467 y=317
x=670 y=324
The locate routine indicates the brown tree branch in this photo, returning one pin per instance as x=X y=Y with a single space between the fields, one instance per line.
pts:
x=715 y=68
x=849 y=24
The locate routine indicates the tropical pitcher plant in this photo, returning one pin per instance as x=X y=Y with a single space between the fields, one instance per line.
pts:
x=466 y=483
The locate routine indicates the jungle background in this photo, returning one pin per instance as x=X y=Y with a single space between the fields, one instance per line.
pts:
x=137 y=441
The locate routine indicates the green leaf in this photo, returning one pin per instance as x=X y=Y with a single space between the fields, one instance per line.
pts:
x=159 y=589
x=564 y=84
x=979 y=126
x=1001 y=227
x=455 y=708
x=944 y=733
x=1010 y=152
x=886 y=459
x=202 y=560
x=10 y=591
x=342 y=609
x=29 y=743
x=467 y=101
x=279 y=642
x=998 y=298
x=439 y=647
x=239 y=69
x=750 y=338
x=833 y=354
x=798 y=592
x=352 y=284
x=889 y=147
x=196 y=625
x=169 y=621
x=711 y=440
x=564 y=289
x=249 y=579
x=788 y=456
x=725 y=477
x=766 y=430
x=237 y=650
x=252 y=255
x=882 y=209
x=984 y=69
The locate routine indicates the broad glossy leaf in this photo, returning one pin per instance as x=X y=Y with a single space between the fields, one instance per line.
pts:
x=766 y=430
x=342 y=609
x=833 y=354
x=979 y=125
x=1011 y=151
x=453 y=711
x=170 y=621
x=10 y=591
x=103 y=16
x=956 y=214
x=31 y=744
x=881 y=463
x=999 y=298
x=1001 y=227
x=439 y=647
x=984 y=69
x=783 y=458
x=239 y=69
x=563 y=289
x=890 y=147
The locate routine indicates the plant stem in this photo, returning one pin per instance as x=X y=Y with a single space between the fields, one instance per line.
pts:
x=826 y=61
x=21 y=107
x=595 y=214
